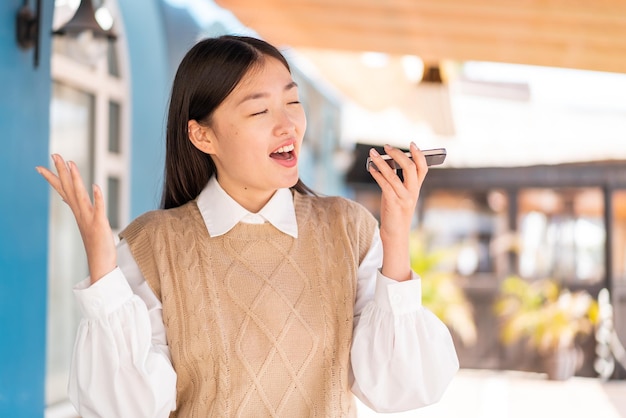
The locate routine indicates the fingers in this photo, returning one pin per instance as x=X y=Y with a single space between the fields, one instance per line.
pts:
x=98 y=202
x=384 y=175
x=420 y=162
x=52 y=179
x=414 y=169
x=81 y=196
x=405 y=163
x=65 y=179
x=68 y=184
x=58 y=182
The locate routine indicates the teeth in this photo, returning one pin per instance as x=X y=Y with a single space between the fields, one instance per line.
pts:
x=284 y=149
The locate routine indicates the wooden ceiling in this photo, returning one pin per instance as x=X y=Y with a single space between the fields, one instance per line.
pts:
x=583 y=34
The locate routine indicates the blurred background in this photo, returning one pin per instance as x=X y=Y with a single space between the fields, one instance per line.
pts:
x=520 y=236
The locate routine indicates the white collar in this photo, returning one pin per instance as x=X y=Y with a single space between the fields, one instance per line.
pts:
x=221 y=212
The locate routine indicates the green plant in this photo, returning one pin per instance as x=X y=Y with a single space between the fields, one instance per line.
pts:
x=550 y=317
x=441 y=292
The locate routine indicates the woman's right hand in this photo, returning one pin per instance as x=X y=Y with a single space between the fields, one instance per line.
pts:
x=91 y=217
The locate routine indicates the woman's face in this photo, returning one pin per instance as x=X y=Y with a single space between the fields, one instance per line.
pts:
x=257 y=134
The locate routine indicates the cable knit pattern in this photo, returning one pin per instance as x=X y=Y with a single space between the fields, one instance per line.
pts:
x=258 y=323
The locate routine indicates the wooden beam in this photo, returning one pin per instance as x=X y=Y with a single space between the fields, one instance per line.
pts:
x=550 y=33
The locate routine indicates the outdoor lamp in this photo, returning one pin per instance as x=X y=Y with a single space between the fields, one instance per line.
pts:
x=432 y=100
x=84 y=21
x=82 y=24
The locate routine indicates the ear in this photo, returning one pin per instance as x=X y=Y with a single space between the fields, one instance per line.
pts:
x=201 y=137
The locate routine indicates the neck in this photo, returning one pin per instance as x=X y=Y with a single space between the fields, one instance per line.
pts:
x=251 y=200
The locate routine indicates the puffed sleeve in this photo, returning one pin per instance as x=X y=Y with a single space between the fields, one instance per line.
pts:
x=121 y=365
x=403 y=356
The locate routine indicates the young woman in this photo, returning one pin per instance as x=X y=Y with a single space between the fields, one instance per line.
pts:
x=247 y=295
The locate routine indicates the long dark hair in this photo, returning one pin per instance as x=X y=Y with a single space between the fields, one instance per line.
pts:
x=208 y=73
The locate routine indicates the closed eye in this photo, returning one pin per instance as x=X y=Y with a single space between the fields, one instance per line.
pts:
x=259 y=113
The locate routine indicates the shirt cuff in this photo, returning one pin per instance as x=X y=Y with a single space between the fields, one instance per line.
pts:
x=398 y=297
x=104 y=296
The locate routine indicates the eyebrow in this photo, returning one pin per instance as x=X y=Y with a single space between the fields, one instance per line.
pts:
x=254 y=96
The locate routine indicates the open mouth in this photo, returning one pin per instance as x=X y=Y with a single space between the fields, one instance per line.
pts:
x=283 y=153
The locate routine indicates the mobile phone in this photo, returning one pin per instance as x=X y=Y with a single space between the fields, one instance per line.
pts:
x=433 y=157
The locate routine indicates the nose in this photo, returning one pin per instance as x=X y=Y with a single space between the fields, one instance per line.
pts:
x=284 y=123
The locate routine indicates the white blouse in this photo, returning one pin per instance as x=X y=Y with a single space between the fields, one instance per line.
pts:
x=402 y=355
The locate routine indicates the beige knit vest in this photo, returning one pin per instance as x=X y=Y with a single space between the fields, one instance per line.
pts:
x=259 y=324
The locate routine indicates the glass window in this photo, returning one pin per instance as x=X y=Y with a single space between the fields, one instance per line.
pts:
x=71 y=126
x=471 y=222
x=113 y=65
x=114 y=127
x=562 y=234
x=113 y=202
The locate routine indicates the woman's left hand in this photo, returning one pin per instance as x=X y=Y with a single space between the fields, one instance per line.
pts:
x=397 y=206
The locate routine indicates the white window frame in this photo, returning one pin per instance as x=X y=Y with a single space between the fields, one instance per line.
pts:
x=97 y=81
